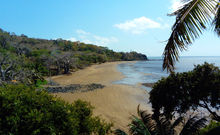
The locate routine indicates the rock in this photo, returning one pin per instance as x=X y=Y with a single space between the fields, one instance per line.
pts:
x=148 y=84
x=74 y=88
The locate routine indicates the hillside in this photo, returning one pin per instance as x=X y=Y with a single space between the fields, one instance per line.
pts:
x=26 y=59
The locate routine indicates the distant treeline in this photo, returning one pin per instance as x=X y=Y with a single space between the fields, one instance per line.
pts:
x=26 y=59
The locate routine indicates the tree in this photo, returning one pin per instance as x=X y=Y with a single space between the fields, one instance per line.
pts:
x=22 y=50
x=145 y=124
x=51 y=57
x=181 y=92
x=67 y=61
x=14 y=68
x=25 y=110
x=5 y=68
x=61 y=61
x=3 y=41
x=191 y=19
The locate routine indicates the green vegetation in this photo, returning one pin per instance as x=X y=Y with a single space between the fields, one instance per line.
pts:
x=181 y=92
x=212 y=125
x=191 y=20
x=177 y=101
x=27 y=60
x=145 y=124
x=26 y=111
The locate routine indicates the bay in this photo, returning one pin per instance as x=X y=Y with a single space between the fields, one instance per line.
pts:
x=151 y=71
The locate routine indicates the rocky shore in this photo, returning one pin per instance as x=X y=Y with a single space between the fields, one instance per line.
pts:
x=74 y=88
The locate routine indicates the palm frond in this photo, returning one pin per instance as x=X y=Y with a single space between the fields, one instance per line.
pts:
x=147 y=119
x=137 y=127
x=193 y=125
x=164 y=126
x=119 y=132
x=191 y=20
x=216 y=21
x=177 y=122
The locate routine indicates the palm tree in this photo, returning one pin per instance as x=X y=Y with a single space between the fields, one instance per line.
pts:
x=191 y=19
x=146 y=124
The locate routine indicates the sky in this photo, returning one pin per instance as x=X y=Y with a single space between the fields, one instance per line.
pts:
x=121 y=25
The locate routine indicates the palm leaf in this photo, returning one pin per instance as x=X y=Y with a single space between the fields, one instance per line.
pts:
x=216 y=20
x=177 y=122
x=137 y=127
x=147 y=120
x=191 y=20
x=119 y=132
x=164 y=126
x=192 y=126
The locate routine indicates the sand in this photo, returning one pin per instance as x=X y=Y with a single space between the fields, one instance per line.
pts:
x=114 y=103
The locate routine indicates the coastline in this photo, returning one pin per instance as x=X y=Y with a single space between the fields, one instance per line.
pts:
x=115 y=103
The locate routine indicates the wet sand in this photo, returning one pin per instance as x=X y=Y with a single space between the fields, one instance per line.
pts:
x=115 y=103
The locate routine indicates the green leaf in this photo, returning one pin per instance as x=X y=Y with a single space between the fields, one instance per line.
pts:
x=191 y=20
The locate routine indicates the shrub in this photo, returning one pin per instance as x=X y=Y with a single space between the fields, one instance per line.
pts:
x=24 y=110
x=181 y=92
x=212 y=125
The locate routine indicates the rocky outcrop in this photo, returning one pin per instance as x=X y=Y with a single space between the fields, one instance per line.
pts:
x=74 y=88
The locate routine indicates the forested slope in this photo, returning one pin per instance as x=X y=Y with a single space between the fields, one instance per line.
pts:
x=26 y=59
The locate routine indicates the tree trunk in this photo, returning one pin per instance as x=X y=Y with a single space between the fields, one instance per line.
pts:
x=66 y=68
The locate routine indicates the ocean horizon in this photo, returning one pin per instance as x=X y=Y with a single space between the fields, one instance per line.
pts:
x=151 y=71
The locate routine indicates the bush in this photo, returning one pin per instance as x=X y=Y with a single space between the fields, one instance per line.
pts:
x=24 y=110
x=192 y=90
x=212 y=125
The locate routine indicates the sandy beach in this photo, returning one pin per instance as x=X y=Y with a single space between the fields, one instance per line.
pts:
x=115 y=103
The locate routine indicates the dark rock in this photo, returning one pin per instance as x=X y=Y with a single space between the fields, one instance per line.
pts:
x=148 y=84
x=52 y=83
x=74 y=88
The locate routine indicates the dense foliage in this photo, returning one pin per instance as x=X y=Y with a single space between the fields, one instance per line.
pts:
x=26 y=59
x=211 y=127
x=145 y=124
x=25 y=111
x=181 y=92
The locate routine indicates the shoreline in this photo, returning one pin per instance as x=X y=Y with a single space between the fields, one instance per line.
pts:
x=115 y=102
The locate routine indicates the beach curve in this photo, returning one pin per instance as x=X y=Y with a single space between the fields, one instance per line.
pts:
x=115 y=103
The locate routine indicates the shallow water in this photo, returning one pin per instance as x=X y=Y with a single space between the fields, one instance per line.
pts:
x=151 y=71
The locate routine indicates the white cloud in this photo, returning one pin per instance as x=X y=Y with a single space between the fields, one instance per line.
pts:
x=82 y=32
x=104 y=40
x=72 y=39
x=89 y=38
x=138 y=25
x=175 y=5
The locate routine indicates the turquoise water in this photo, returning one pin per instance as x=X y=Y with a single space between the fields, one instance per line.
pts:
x=151 y=71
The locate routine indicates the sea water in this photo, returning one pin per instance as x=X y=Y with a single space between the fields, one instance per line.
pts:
x=151 y=71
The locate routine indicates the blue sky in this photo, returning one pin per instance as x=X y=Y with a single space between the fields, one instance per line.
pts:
x=121 y=25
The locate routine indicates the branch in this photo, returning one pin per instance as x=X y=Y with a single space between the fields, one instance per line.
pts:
x=9 y=67
x=215 y=115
